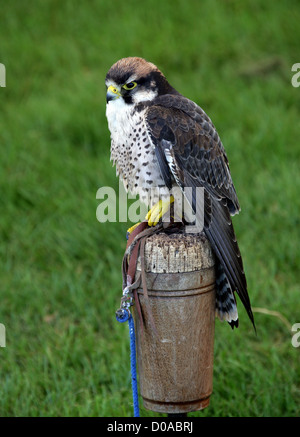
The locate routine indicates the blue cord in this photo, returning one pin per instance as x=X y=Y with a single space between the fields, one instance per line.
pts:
x=122 y=316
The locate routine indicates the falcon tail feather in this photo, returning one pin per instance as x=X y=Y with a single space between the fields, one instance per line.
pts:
x=219 y=230
x=224 y=244
x=226 y=308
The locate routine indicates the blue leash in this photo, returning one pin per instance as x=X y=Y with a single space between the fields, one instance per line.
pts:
x=122 y=315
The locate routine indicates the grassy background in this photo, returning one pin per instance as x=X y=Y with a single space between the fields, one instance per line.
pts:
x=60 y=281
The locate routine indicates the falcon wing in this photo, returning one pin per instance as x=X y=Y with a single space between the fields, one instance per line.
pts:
x=189 y=152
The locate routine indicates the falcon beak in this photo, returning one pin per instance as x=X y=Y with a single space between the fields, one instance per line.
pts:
x=112 y=93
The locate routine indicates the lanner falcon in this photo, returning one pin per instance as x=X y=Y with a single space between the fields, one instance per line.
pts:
x=159 y=138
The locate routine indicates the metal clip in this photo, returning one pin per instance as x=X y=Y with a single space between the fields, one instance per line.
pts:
x=126 y=290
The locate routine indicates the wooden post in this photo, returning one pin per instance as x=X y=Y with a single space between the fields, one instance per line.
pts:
x=175 y=367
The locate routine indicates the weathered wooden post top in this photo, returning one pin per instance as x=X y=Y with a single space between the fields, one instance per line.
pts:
x=174 y=317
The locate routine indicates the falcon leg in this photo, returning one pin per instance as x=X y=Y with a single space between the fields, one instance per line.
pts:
x=158 y=210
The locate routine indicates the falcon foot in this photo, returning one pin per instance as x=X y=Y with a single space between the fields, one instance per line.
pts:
x=131 y=229
x=158 y=211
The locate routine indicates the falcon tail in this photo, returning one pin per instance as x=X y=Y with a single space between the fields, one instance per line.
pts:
x=226 y=308
x=220 y=232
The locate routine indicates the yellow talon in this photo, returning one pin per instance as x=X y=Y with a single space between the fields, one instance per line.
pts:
x=131 y=229
x=158 y=211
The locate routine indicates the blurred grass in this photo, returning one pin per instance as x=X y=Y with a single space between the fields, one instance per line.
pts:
x=60 y=269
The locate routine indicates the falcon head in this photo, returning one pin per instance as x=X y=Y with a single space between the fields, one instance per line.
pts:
x=135 y=80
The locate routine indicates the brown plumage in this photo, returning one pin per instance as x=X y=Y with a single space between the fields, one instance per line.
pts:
x=183 y=148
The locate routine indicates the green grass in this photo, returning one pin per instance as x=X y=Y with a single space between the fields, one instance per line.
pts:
x=60 y=280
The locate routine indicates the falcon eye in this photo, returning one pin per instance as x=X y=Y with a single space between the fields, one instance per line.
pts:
x=130 y=85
